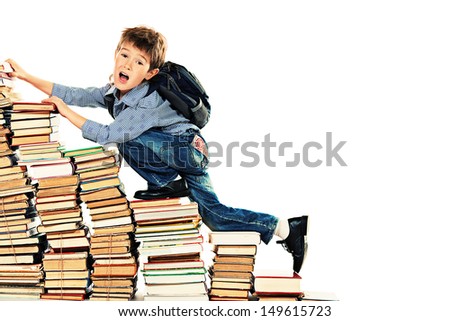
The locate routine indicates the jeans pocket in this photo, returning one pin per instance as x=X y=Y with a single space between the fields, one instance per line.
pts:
x=184 y=156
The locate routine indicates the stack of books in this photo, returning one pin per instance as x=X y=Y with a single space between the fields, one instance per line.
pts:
x=171 y=244
x=113 y=245
x=66 y=275
x=277 y=285
x=7 y=94
x=57 y=200
x=231 y=272
x=32 y=122
x=21 y=245
x=58 y=205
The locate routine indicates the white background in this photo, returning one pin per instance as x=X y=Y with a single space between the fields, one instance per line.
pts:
x=375 y=74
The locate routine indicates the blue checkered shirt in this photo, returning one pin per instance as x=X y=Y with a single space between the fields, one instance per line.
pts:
x=134 y=114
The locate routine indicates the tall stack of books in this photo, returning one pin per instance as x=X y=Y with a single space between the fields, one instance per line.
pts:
x=57 y=201
x=172 y=245
x=21 y=246
x=231 y=272
x=277 y=285
x=113 y=246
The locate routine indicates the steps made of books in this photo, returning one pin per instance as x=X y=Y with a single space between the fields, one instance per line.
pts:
x=233 y=263
x=172 y=245
x=21 y=244
x=67 y=264
x=113 y=246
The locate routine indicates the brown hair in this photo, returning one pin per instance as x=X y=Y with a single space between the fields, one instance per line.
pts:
x=148 y=40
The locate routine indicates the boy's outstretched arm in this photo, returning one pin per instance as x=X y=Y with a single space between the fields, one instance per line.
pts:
x=41 y=84
x=66 y=112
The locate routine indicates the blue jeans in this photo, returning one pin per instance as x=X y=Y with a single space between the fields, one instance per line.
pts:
x=159 y=158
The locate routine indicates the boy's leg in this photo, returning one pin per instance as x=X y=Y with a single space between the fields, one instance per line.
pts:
x=159 y=176
x=219 y=217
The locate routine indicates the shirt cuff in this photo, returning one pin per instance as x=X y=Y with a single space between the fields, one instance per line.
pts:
x=58 y=91
x=91 y=129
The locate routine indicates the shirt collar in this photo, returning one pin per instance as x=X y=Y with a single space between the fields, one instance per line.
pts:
x=132 y=97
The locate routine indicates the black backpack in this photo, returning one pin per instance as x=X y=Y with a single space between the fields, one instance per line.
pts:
x=182 y=89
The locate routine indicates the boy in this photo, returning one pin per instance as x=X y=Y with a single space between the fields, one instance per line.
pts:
x=160 y=144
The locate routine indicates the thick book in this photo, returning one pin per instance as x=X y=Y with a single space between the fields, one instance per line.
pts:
x=231 y=285
x=230 y=293
x=235 y=249
x=103 y=203
x=21 y=259
x=57 y=181
x=176 y=289
x=66 y=244
x=22 y=115
x=35 y=131
x=34 y=123
x=169 y=265
x=100 y=183
x=169 y=250
x=173 y=241
x=108 y=209
x=119 y=270
x=233 y=267
x=16 y=141
x=110 y=215
x=82 y=151
x=71 y=203
x=50 y=170
x=100 y=172
x=92 y=156
x=174 y=278
x=234 y=238
x=135 y=204
x=33 y=106
x=54 y=191
x=101 y=194
x=269 y=282
x=7 y=161
x=95 y=163
x=167 y=227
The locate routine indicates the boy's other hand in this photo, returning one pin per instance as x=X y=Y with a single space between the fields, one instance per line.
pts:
x=18 y=72
x=61 y=105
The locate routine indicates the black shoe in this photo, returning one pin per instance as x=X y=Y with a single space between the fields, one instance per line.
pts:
x=173 y=189
x=296 y=242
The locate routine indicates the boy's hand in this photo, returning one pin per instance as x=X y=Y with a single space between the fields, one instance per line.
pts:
x=19 y=72
x=66 y=112
x=61 y=105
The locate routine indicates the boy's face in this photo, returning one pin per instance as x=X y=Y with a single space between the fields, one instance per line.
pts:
x=131 y=68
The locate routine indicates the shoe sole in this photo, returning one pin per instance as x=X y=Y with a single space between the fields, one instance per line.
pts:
x=174 y=195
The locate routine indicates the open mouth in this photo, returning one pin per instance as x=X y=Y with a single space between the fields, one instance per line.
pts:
x=123 y=77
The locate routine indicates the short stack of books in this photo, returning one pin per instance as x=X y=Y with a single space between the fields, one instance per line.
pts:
x=66 y=275
x=7 y=95
x=32 y=122
x=113 y=245
x=171 y=242
x=231 y=272
x=277 y=285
